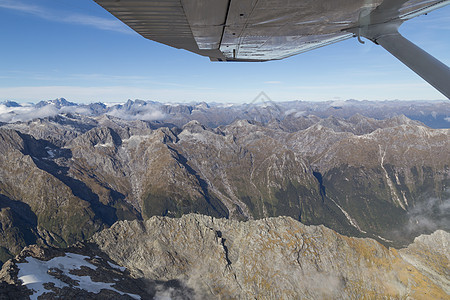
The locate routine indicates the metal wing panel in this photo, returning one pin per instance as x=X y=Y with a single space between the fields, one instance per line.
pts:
x=207 y=21
x=287 y=47
x=163 y=21
x=275 y=29
x=258 y=30
x=413 y=8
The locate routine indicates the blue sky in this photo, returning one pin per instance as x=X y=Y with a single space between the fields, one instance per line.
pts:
x=77 y=50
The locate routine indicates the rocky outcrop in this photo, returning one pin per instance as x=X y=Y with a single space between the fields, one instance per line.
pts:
x=78 y=272
x=275 y=258
x=201 y=257
x=430 y=255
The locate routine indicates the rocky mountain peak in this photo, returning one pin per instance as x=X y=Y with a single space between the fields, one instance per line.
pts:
x=194 y=126
x=9 y=103
x=99 y=137
x=57 y=103
x=202 y=105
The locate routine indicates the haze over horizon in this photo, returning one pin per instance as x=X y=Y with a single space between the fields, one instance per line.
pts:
x=82 y=53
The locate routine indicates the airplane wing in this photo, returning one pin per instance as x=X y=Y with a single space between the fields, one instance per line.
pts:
x=261 y=30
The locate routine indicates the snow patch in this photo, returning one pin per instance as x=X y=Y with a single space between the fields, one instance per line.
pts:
x=117 y=267
x=34 y=274
x=396 y=178
x=186 y=135
x=386 y=240
x=104 y=145
x=388 y=180
x=136 y=138
x=50 y=153
x=300 y=114
x=226 y=105
x=349 y=219
x=290 y=111
x=111 y=104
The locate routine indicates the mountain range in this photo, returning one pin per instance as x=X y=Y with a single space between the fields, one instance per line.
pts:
x=375 y=170
x=434 y=114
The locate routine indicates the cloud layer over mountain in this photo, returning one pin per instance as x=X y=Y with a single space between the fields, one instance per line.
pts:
x=435 y=114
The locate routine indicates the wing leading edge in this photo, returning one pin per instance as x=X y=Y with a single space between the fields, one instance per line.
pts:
x=249 y=30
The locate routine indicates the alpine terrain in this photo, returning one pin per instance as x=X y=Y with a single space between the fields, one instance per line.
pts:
x=293 y=200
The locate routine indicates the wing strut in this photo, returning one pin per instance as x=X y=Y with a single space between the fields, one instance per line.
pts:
x=425 y=65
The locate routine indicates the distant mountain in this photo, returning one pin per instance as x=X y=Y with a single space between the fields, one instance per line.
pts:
x=10 y=104
x=58 y=103
x=435 y=114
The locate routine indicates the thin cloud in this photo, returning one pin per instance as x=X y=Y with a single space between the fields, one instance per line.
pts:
x=98 y=22
x=30 y=112
x=272 y=82
x=112 y=93
x=57 y=80
x=378 y=86
x=148 y=114
x=22 y=114
x=16 y=5
x=63 y=17
x=426 y=217
x=123 y=93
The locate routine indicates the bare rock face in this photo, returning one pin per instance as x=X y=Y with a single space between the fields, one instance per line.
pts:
x=431 y=256
x=275 y=258
x=201 y=257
